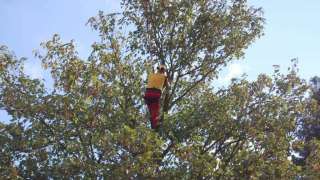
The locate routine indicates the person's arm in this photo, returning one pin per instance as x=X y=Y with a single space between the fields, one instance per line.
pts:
x=166 y=84
x=166 y=81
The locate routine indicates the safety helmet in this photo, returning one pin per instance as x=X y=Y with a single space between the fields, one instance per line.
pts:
x=161 y=67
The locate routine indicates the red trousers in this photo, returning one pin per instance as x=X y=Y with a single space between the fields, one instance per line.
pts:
x=152 y=99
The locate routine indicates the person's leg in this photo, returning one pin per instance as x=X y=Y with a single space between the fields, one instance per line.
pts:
x=148 y=97
x=148 y=105
x=152 y=99
x=155 y=114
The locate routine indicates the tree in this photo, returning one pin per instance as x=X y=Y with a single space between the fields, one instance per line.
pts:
x=307 y=145
x=94 y=124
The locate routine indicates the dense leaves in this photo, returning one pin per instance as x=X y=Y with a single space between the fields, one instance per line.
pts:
x=306 y=146
x=94 y=124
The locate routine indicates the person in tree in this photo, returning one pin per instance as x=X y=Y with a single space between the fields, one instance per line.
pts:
x=156 y=83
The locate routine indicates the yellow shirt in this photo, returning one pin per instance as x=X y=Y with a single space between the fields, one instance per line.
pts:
x=156 y=80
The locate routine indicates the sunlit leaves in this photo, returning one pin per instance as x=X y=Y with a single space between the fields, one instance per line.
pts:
x=93 y=123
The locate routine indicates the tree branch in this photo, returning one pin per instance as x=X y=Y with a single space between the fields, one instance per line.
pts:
x=194 y=85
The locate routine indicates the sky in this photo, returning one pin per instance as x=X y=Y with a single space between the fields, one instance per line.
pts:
x=291 y=31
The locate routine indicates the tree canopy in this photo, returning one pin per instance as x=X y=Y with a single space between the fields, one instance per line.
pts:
x=94 y=122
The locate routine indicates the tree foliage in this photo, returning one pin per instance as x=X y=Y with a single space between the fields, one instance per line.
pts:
x=94 y=123
x=308 y=132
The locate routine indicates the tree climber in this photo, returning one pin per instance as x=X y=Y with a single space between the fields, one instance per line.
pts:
x=156 y=83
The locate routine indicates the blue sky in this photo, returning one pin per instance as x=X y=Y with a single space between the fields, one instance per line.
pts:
x=292 y=30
